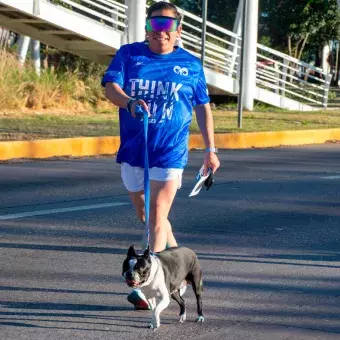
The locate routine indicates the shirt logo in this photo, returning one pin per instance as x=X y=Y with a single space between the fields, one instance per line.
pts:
x=182 y=71
x=138 y=63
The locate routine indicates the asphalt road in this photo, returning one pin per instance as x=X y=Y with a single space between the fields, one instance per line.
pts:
x=267 y=235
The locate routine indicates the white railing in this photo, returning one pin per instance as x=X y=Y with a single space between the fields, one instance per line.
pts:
x=275 y=71
x=290 y=77
x=108 y=12
x=221 y=44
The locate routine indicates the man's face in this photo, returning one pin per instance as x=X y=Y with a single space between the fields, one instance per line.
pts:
x=163 y=41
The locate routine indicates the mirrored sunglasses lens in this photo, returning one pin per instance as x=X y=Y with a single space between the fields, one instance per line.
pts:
x=161 y=24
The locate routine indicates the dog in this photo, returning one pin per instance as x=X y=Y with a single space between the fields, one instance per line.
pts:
x=161 y=275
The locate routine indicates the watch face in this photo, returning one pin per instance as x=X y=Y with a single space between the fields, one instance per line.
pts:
x=211 y=150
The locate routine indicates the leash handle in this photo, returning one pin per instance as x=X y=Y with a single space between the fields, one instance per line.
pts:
x=143 y=114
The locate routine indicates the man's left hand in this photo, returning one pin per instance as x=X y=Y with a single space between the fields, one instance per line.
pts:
x=211 y=161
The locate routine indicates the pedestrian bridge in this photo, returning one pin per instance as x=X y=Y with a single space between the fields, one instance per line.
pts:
x=95 y=29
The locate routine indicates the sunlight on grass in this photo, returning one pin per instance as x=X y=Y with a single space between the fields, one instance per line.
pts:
x=22 y=89
x=105 y=123
x=59 y=105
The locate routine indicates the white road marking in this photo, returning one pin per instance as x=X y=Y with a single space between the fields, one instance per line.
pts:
x=331 y=177
x=61 y=210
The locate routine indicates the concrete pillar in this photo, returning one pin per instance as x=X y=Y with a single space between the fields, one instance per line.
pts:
x=36 y=7
x=24 y=43
x=12 y=39
x=249 y=71
x=325 y=54
x=136 y=20
x=125 y=37
x=238 y=20
x=35 y=48
x=237 y=29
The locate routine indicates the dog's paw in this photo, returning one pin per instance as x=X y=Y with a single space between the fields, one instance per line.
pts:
x=182 y=317
x=200 y=319
x=154 y=327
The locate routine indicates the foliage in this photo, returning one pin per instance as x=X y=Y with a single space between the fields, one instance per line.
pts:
x=219 y=12
x=291 y=24
x=21 y=88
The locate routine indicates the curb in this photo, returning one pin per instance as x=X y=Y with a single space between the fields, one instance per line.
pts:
x=93 y=146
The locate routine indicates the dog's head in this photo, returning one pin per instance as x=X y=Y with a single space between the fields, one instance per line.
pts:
x=136 y=268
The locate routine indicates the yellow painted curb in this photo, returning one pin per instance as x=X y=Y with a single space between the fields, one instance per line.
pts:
x=91 y=146
x=77 y=147
x=268 y=139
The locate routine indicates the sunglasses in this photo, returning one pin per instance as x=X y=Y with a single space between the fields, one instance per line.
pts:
x=162 y=24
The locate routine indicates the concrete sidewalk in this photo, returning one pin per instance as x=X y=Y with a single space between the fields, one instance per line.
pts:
x=92 y=146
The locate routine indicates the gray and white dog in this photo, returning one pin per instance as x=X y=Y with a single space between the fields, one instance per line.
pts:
x=160 y=276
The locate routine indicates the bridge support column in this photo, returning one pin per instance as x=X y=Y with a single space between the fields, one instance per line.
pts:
x=24 y=43
x=136 y=20
x=35 y=48
x=249 y=67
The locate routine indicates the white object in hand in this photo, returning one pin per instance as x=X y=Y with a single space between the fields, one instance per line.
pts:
x=200 y=178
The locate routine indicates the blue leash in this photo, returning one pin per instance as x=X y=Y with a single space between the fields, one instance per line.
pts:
x=140 y=112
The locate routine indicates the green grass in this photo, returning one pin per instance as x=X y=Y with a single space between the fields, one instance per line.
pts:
x=30 y=127
x=105 y=123
x=51 y=106
x=22 y=89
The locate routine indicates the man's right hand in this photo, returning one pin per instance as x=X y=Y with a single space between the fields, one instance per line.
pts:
x=138 y=102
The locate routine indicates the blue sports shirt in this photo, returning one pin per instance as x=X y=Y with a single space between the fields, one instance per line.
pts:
x=171 y=85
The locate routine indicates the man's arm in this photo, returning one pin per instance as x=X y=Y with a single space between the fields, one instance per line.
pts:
x=206 y=125
x=118 y=97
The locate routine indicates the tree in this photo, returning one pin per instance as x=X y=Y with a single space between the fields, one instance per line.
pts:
x=220 y=12
x=292 y=24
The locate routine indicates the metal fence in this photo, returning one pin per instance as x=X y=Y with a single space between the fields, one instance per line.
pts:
x=275 y=71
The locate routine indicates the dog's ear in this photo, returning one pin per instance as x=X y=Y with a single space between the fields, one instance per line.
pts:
x=131 y=252
x=146 y=254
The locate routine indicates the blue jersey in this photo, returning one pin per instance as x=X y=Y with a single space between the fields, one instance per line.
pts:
x=171 y=84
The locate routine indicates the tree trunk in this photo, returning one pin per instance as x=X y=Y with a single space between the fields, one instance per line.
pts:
x=303 y=46
x=290 y=45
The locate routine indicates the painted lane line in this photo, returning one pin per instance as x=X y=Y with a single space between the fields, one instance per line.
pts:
x=61 y=210
x=331 y=177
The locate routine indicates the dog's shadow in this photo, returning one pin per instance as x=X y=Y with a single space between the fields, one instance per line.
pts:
x=35 y=314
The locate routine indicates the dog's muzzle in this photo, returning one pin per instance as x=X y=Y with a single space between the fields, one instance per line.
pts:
x=132 y=279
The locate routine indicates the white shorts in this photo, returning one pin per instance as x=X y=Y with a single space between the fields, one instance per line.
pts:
x=133 y=176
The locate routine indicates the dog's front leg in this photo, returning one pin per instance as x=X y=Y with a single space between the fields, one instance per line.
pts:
x=152 y=303
x=162 y=302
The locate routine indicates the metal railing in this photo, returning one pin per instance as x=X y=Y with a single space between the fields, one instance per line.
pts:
x=107 y=12
x=275 y=71
x=290 y=77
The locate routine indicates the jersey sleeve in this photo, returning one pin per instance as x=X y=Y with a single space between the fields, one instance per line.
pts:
x=201 y=92
x=115 y=73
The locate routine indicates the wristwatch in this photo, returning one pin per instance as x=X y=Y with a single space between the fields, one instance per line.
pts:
x=211 y=150
x=129 y=103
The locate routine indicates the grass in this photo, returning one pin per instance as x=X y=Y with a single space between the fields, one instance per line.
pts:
x=22 y=89
x=70 y=104
x=29 y=126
